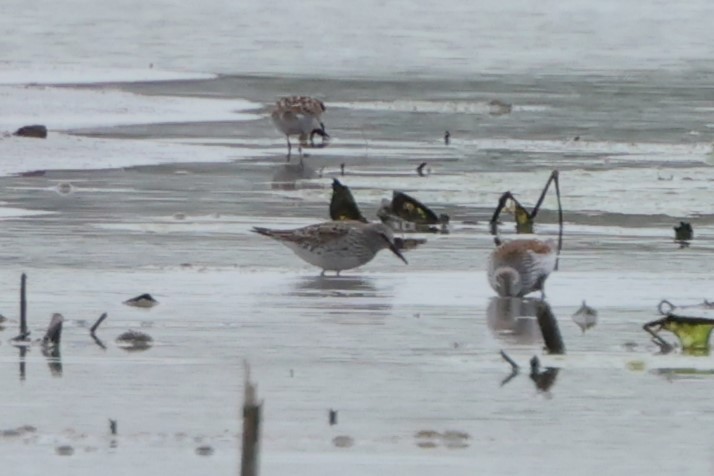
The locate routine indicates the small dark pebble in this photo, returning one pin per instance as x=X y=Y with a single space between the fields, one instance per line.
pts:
x=204 y=450
x=64 y=450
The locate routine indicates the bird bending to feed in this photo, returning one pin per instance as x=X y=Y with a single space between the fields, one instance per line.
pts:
x=300 y=116
x=336 y=245
x=520 y=267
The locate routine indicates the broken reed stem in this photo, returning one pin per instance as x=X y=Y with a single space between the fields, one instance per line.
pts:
x=251 y=428
x=23 y=306
x=53 y=336
x=507 y=358
x=96 y=325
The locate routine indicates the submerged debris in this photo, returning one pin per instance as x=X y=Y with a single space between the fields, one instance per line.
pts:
x=64 y=450
x=54 y=331
x=134 y=340
x=37 y=131
x=343 y=441
x=64 y=188
x=420 y=170
x=543 y=379
x=205 y=450
x=496 y=107
x=585 y=317
x=683 y=234
x=144 y=301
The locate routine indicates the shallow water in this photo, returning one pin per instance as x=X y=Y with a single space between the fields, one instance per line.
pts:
x=168 y=178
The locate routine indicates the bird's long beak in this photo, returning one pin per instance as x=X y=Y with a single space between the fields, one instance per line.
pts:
x=393 y=248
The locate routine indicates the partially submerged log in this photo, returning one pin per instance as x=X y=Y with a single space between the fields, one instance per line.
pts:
x=252 y=410
x=36 y=130
x=54 y=331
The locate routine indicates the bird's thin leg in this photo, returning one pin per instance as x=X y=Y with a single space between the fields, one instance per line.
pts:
x=323 y=273
x=289 y=147
x=338 y=273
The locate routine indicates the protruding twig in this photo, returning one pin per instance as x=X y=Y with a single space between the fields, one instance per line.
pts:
x=514 y=368
x=507 y=358
x=96 y=325
x=24 y=333
x=664 y=346
x=23 y=305
x=420 y=169
x=251 y=428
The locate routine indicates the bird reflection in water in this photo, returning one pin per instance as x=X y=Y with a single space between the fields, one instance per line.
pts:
x=514 y=317
x=286 y=176
x=513 y=320
x=345 y=298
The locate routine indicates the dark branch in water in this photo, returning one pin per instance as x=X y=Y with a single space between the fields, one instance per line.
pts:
x=420 y=169
x=507 y=358
x=23 y=305
x=664 y=346
x=96 y=325
x=54 y=331
x=514 y=368
x=251 y=428
x=24 y=333
x=549 y=328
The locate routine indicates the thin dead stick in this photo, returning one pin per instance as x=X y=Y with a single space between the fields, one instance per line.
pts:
x=507 y=358
x=24 y=333
x=251 y=428
x=514 y=368
x=96 y=325
x=664 y=346
x=23 y=305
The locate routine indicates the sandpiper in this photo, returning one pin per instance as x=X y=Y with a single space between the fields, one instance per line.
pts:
x=336 y=245
x=299 y=115
x=520 y=267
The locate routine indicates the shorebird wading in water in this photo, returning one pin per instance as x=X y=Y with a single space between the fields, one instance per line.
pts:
x=519 y=267
x=336 y=245
x=300 y=116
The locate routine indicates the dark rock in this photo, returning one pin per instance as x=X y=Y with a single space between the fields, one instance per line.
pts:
x=38 y=131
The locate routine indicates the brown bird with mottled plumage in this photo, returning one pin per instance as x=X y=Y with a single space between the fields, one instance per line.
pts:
x=520 y=267
x=336 y=245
